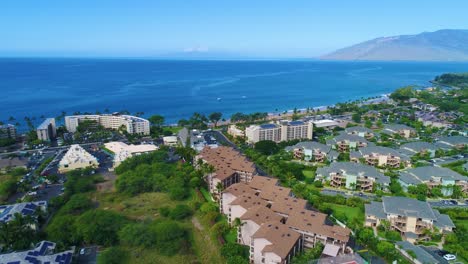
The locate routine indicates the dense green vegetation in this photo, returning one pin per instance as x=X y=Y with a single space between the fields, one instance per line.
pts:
x=9 y=182
x=457 y=242
x=453 y=79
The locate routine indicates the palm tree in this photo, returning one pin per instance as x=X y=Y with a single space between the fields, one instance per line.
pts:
x=237 y=224
x=219 y=187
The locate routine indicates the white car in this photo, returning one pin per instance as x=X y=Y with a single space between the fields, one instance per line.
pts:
x=450 y=257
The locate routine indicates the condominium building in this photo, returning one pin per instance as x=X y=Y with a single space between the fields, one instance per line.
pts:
x=380 y=156
x=346 y=142
x=408 y=216
x=281 y=131
x=418 y=147
x=77 y=158
x=458 y=142
x=230 y=167
x=121 y=151
x=312 y=151
x=433 y=177
x=360 y=131
x=8 y=212
x=132 y=124
x=47 y=130
x=7 y=131
x=397 y=129
x=353 y=176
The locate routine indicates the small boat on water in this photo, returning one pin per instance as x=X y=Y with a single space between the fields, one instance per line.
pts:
x=219 y=98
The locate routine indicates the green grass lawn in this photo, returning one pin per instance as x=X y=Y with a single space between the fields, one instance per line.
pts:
x=173 y=129
x=206 y=194
x=309 y=174
x=350 y=212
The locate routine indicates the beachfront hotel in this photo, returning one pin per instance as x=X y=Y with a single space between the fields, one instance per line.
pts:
x=47 y=130
x=132 y=124
x=280 y=131
x=408 y=216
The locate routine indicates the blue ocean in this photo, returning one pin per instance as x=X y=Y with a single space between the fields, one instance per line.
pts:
x=176 y=89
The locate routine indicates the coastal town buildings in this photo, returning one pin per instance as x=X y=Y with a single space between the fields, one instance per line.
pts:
x=313 y=151
x=418 y=147
x=433 y=177
x=345 y=142
x=47 y=130
x=235 y=131
x=228 y=165
x=77 y=158
x=121 y=151
x=360 y=131
x=380 y=156
x=401 y=130
x=353 y=176
x=408 y=216
x=280 y=131
x=131 y=124
x=170 y=141
x=7 y=131
x=42 y=253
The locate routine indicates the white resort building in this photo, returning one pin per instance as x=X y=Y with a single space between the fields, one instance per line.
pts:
x=77 y=158
x=122 y=151
x=132 y=124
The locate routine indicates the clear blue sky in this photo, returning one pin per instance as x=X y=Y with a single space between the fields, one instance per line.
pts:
x=248 y=28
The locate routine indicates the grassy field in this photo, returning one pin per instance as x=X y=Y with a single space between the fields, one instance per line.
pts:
x=6 y=183
x=350 y=212
x=309 y=174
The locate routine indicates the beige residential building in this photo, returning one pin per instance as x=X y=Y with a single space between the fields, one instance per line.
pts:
x=281 y=131
x=77 y=158
x=7 y=131
x=122 y=151
x=381 y=156
x=408 y=216
x=132 y=124
x=234 y=131
x=47 y=130
x=402 y=130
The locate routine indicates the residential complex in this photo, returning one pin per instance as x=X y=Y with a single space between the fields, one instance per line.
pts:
x=408 y=216
x=47 y=130
x=132 y=124
x=281 y=131
x=42 y=253
x=77 y=158
x=360 y=131
x=121 y=151
x=418 y=147
x=312 y=151
x=345 y=142
x=457 y=142
x=8 y=212
x=401 y=130
x=433 y=177
x=230 y=167
x=380 y=156
x=353 y=176
x=7 y=131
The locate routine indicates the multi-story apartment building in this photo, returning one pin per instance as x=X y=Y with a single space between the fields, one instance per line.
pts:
x=312 y=151
x=47 y=130
x=397 y=129
x=77 y=158
x=433 y=177
x=360 y=131
x=380 y=156
x=281 y=131
x=262 y=202
x=7 y=131
x=408 y=216
x=418 y=147
x=458 y=142
x=353 y=176
x=132 y=124
x=229 y=165
x=345 y=142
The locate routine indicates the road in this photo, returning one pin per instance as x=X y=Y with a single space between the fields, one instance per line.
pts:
x=333 y=192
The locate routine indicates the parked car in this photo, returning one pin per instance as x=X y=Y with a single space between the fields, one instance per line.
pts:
x=450 y=257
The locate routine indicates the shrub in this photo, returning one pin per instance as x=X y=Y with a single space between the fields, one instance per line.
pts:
x=180 y=212
x=113 y=255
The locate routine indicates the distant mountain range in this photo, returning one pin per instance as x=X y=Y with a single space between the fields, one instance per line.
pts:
x=442 y=45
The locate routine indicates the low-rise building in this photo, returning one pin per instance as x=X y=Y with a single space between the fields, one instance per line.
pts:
x=418 y=147
x=353 y=176
x=122 y=151
x=325 y=123
x=312 y=151
x=380 y=156
x=235 y=131
x=7 y=131
x=408 y=216
x=170 y=141
x=47 y=130
x=281 y=131
x=345 y=142
x=77 y=158
x=131 y=124
x=360 y=131
x=8 y=212
x=433 y=177
x=458 y=142
x=42 y=253
x=398 y=129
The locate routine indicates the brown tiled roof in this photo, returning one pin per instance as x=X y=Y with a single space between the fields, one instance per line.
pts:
x=314 y=222
x=281 y=236
x=248 y=201
x=261 y=214
x=226 y=161
x=239 y=188
x=260 y=182
x=274 y=193
x=287 y=205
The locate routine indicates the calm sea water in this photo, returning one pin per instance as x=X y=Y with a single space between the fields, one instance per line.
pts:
x=176 y=89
